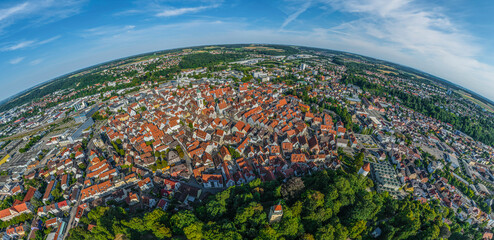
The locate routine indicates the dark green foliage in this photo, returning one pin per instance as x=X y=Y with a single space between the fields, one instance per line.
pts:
x=19 y=219
x=77 y=82
x=180 y=151
x=330 y=205
x=111 y=222
x=233 y=152
x=8 y=201
x=207 y=59
x=339 y=60
x=97 y=116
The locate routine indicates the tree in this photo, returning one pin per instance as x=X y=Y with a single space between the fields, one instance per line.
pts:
x=444 y=232
x=292 y=188
x=180 y=151
x=194 y=231
x=181 y=220
x=325 y=205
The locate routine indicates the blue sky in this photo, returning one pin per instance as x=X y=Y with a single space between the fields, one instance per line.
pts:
x=43 y=39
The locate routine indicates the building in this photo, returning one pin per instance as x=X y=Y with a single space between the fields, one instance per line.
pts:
x=47 y=196
x=32 y=193
x=17 y=210
x=275 y=213
x=365 y=169
x=76 y=136
x=452 y=159
x=385 y=177
x=85 y=115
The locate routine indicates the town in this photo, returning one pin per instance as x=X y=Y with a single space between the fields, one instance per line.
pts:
x=173 y=140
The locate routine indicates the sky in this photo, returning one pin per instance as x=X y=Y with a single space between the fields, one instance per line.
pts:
x=43 y=39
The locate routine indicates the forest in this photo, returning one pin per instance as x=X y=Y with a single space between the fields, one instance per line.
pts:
x=207 y=59
x=273 y=50
x=325 y=205
x=77 y=82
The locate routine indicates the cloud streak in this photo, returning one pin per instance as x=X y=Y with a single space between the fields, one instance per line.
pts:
x=16 y=60
x=401 y=31
x=36 y=62
x=295 y=15
x=186 y=10
x=28 y=44
x=38 y=12
x=12 y=11
x=419 y=36
x=19 y=45
x=106 y=31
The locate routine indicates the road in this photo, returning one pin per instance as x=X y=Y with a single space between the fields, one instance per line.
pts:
x=188 y=161
x=71 y=223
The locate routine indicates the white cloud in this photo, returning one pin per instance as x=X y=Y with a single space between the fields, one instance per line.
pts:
x=422 y=37
x=295 y=15
x=106 y=31
x=12 y=11
x=28 y=43
x=408 y=32
x=399 y=31
x=19 y=45
x=181 y=11
x=49 y=40
x=129 y=12
x=38 y=12
x=36 y=61
x=16 y=60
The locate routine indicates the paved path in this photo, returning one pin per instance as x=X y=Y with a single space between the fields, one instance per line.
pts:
x=73 y=211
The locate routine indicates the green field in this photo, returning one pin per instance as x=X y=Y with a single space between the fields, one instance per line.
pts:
x=487 y=107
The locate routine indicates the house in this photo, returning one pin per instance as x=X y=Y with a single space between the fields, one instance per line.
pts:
x=47 y=196
x=80 y=211
x=173 y=157
x=63 y=205
x=187 y=193
x=229 y=181
x=225 y=154
x=163 y=204
x=16 y=232
x=16 y=210
x=212 y=180
x=64 y=183
x=32 y=193
x=95 y=190
x=365 y=169
x=52 y=222
x=145 y=184
x=342 y=143
x=275 y=213
x=298 y=158
x=17 y=189
x=132 y=198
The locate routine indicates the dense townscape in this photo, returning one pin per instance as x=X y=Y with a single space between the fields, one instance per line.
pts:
x=246 y=142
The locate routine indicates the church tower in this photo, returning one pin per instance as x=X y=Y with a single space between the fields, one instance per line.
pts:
x=365 y=169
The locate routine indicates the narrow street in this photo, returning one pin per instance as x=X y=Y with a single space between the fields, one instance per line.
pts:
x=73 y=211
